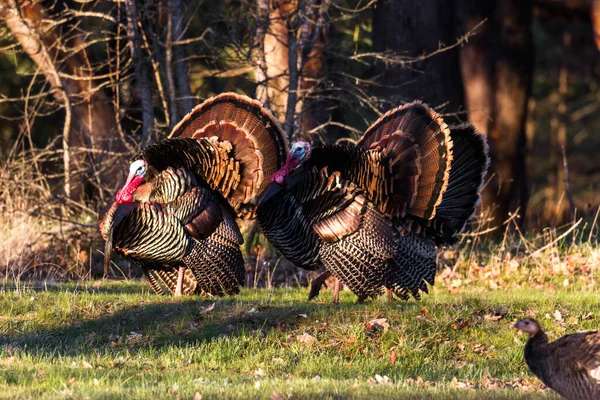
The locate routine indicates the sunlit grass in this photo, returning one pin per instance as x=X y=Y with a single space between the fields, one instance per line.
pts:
x=116 y=339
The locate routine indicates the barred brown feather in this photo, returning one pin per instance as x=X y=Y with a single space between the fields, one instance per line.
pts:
x=569 y=365
x=216 y=163
x=320 y=220
x=372 y=213
x=430 y=136
x=258 y=143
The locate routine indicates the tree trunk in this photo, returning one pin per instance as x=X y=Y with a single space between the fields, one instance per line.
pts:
x=181 y=73
x=416 y=28
x=289 y=82
x=141 y=68
x=513 y=73
x=497 y=67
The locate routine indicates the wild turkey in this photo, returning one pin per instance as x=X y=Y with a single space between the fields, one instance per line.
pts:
x=569 y=365
x=175 y=214
x=372 y=213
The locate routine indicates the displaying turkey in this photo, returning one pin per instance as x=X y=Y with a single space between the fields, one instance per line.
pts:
x=569 y=365
x=175 y=216
x=372 y=213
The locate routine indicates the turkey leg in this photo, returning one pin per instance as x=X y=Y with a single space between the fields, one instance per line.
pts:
x=336 y=291
x=179 y=287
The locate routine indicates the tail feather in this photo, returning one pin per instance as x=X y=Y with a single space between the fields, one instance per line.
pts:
x=470 y=164
x=257 y=140
x=417 y=143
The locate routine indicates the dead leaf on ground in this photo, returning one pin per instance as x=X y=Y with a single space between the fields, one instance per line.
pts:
x=419 y=382
x=204 y=310
x=276 y=396
x=455 y=383
x=393 y=356
x=8 y=361
x=306 y=338
x=379 y=380
x=378 y=324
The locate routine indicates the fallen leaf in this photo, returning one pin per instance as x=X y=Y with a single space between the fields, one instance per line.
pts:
x=418 y=382
x=378 y=324
x=393 y=357
x=259 y=372
x=134 y=337
x=197 y=396
x=204 y=310
x=276 y=396
x=383 y=380
x=306 y=338
x=8 y=361
x=558 y=315
x=455 y=383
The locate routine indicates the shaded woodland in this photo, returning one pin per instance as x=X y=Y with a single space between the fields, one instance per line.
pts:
x=85 y=84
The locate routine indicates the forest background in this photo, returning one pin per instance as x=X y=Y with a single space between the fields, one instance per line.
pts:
x=84 y=84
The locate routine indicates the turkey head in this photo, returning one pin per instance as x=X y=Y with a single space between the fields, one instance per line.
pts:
x=300 y=152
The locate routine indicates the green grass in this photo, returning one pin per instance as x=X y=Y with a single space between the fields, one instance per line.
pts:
x=117 y=340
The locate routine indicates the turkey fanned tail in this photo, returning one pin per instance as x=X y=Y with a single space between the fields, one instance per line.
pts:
x=469 y=167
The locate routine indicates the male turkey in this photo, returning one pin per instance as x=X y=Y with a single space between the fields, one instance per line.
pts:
x=372 y=213
x=175 y=214
x=569 y=365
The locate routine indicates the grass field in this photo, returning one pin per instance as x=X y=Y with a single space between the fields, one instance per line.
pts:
x=108 y=339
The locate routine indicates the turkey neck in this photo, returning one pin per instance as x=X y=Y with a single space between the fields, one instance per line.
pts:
x=536 y=353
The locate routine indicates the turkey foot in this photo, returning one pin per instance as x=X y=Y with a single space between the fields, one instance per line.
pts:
x=315 y=286
x=179 y=287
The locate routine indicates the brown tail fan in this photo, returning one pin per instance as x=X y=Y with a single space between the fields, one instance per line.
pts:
x=257 y=140
x=469 y=166
x=418 y=145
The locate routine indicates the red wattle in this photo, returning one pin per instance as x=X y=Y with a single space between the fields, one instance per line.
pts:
x=125 y=195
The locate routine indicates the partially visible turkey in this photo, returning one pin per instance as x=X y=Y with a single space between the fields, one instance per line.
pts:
x=372 y=213
x=175 y=214
x=569 y=365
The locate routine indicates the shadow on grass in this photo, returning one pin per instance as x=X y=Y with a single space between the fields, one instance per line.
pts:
x=139 y=326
